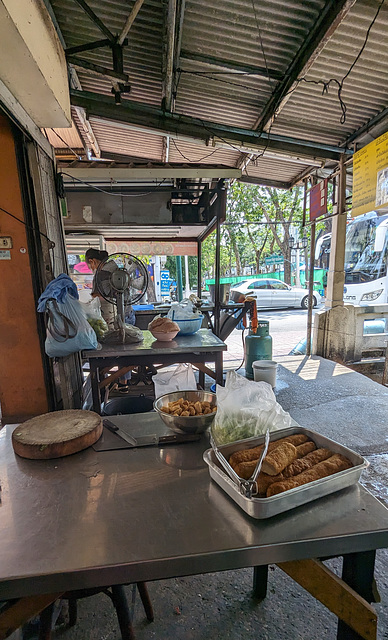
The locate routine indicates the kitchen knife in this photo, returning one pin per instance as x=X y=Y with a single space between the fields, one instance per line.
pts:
x=146 y=441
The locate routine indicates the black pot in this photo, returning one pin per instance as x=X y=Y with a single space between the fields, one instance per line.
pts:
x=130 y=404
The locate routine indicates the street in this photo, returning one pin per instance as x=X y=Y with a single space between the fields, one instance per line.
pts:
x=286 y=326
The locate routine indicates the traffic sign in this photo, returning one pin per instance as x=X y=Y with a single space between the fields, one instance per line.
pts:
x=164 y=282
x=273 y=260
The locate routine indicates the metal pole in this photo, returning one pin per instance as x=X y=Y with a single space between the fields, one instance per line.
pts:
x=336 y=274
x=217 y=278
x=311 y=290
x=187 y=278
x=179 y=288
x=199 y=268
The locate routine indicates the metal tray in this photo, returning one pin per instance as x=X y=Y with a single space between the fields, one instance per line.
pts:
x=261 y=508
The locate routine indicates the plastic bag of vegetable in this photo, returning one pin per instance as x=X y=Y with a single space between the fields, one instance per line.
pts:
x=68 y=330
x=123 y=333
x=246 y=408
x=93 y=314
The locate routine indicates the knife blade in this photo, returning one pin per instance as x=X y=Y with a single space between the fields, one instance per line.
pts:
x=146 y=441
x=119 y=432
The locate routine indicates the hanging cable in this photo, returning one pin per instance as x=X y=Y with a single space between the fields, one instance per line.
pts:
x=29 y=226
x=65 y=143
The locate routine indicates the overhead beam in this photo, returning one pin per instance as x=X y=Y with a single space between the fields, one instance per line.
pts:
x=263 y=182
x=80 y=63
x=94 y=18
x=129 y=21
x=152 y=118
x=373 y=122
x=169 y=50
x=331 y=16
x=101 y=173
x=231 y=66
x=88 y=46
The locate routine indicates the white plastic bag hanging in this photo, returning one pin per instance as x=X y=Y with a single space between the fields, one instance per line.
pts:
x=181 y=379
x=246 y=408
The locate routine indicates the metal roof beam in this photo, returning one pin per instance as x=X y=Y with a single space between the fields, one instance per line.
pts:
x=168 y=58
x=264 y=182
x=94 y=18
x=88 y=46
x=129 y=21
x=153 y=119
x=231 y=66
x=373 y=122
x=80 y=63
x=328 y=21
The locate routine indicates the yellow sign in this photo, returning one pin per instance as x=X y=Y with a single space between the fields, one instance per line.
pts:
x=370 y=177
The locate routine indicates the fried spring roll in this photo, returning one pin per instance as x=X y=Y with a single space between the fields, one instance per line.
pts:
x=247 y=455
x=307 y=462
x=334 y=464
x=279 y=459
x=305 y=448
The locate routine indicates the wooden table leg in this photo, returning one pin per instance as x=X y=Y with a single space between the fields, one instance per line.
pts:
x=358 y=573
x=260 y=582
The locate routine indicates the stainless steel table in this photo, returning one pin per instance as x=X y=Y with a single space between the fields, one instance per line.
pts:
x=201 y=347
x=115 y=517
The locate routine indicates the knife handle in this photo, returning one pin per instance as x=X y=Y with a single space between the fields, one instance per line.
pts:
x=179 y=439
x=109 y=425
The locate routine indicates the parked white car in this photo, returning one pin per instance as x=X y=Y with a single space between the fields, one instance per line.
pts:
x=272 y=294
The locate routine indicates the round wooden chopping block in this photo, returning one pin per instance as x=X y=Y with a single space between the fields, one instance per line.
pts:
x=57 y=434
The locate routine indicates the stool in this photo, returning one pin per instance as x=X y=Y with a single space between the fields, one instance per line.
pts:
x=116 y=593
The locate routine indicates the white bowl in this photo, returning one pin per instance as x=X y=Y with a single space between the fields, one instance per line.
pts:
x=163 y=336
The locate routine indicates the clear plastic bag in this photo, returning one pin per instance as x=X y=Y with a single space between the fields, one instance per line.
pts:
x=182 y=311
x=246 y=408
x=92 y=311
x=68 y=330
x=181 y=379
x=123 y=333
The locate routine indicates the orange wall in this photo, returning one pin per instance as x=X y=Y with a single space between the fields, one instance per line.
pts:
x=22 y=387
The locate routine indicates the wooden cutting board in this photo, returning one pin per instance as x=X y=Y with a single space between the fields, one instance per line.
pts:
x=57 y=434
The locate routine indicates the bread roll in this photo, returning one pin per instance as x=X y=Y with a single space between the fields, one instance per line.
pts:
x=334 y=464
x=246 y=455
x=279 y=459
x=307 y=462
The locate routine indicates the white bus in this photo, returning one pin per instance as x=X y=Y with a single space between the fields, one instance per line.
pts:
x=366 y=256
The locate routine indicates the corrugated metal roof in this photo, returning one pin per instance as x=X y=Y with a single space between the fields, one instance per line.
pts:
x=365 y=91
x=64 y=138
x=232 y=31
x=115 y=138
x=271 y=169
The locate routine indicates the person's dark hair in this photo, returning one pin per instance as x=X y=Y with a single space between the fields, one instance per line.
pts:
x=95 y=254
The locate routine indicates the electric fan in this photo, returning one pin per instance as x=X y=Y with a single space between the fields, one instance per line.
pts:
x=121 y=279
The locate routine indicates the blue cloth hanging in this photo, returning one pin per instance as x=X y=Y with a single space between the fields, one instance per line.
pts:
x=57 y=290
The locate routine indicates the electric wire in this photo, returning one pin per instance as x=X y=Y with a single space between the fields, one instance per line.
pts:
x=67 y=145
x=188 y=159
x=27 y=225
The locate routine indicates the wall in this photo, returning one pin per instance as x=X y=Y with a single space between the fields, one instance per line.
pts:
x=22 y=388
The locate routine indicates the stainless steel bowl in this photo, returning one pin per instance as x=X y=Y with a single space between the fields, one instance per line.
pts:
x=188 y=424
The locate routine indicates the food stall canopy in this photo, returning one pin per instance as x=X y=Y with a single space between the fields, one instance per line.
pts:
x=243 y=85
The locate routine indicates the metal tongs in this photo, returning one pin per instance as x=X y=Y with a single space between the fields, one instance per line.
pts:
x=247 y=487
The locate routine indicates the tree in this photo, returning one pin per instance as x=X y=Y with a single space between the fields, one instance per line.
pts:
x=265 y=215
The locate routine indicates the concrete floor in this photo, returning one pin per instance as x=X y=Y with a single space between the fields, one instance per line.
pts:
x=338 y=402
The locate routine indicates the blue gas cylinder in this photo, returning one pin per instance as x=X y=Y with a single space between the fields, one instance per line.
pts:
x=258 y=346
